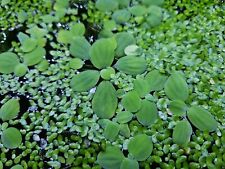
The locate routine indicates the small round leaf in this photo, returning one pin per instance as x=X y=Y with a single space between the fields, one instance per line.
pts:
x=131 y=101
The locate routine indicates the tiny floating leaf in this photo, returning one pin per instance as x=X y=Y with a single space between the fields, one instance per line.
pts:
x=182 y=132
x=102 y=52
x=10 y=109
x=178 y=107
x=131 y=101
x=129 y=164
x=202 y=119
x=131 y=65
x=148 y=113
x=35 y=56
x=11 y=138
x=156 y=80
x=8 y=62
x=176 y=87
x=111 y=158
x=111 y=131
x=85 y=80
x=140 y=147
x=104 y=103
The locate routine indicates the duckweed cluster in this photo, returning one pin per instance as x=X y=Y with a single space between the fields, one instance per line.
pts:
x=114 y=84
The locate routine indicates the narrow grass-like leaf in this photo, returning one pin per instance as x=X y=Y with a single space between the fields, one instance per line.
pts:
x=11 y=138
x=8 y=62
x=104 y=103
x=178 y=107
x=10 y=109
x=111 y=131
x=129 y=164
x=202 y=119
x=34 y=57
x=131 y=101
x=131 y=65
x=102 y=52
x=85 y=80
x=155 y=80
x=111 y=158
x=148 y=113
x=176 y=87
x=182 y=132
x=140 y=147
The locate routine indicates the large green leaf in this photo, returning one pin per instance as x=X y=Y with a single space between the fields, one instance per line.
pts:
x=10 y=109
x=148 y=113
x=125 y=130
x=152 y=2
x=29 y=44
x=123 y=3
x=106 y=5
x=104 y=103
x=202 y=119
x=131 y=101
x=17 y=167
x=138 y=10
x=178 y=107
x=20 y=69
x=141 y=87
x=121 y=16
x=111 y=158
x=124 y=117
x=131 y=65
x=11 y=138
x=182 y=132
x=140 y=147
x=123 y=40
x=176 y=87
x=102 y=52
x=64 y=36
x=78 y=29
x=80 y=48
x=8 y=62
x=85 y=80
x=129 y=164
x=111 y=131
x=34 y=57
x=156 y=80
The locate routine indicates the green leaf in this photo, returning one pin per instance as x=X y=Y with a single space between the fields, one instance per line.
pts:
x=155 y=80
x=182 y=132
x=37 y=32
x=129 y=164
x=141 y=87
x=132 y=50
x=111 y=158
x=78 y=29
x=43 y=65
x=140 y=147
x=154 y=21
x=17 y=167
x=123 y=40
x=106 y=73
x=124 y=117
x=64 y=36
x=5 y=2
x=121 y=16
x=22 y=37
x=8 y=62
x=29 y=44
x=104 y=103
x=85 y=80
x=125 y=130
x=11 y=138
x=76 y=63
x=176 y=87
x=20 y=70
x=131 y=101
x=152 y=2
x=123 y=3
x=202 y=119
x=1 y=165
x=138 y=10
x=80 y=48
x=106 y=5
x=34 y=57
x=10 y=109
x=102 y=52
x=148 y=113
x=111 y=131
x=178 y=107
x=131 y=65
x=22 y=16
x=155 y=15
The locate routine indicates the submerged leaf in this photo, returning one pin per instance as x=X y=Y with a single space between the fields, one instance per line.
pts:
x=102 y=52
x=111 y=158
x=9 y=110
x=140 y=147
x=104 y=103
x=131 y=65
x=85 y=80
x=156 y=80
x=182 y=132
x=131 y=101
x=124 y=117
x=202 y=119
x=111 y=131
x=80 y=48
x=178 y=107
x=129 y=164
x=123 y=40
x=8 y=62
x=35 y=56
x=148 y=113
x=176 y=87
x=11 y=138
x=121 y=16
